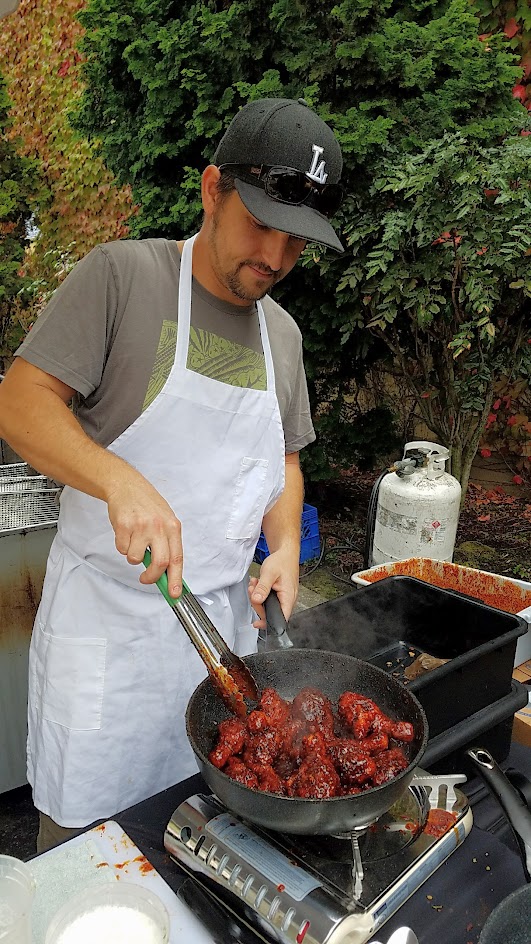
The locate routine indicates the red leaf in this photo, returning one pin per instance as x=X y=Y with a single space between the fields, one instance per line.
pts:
x=520 y=92
x=63 y=68
x=511 y=28
x=496 y=405
x=484 y=518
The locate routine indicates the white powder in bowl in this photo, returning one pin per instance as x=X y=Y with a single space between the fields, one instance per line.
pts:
x=111 y=924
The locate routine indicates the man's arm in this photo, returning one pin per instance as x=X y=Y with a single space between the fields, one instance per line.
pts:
x=36 y=421
x=282 y=530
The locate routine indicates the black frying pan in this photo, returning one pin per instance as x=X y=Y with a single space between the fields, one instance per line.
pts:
x=510 y=922
x=288 y=671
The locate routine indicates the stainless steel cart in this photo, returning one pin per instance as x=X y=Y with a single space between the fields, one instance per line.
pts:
x=29 y=510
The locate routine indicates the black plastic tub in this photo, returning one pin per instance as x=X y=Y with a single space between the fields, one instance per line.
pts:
x=390 y=622
x=490 y=728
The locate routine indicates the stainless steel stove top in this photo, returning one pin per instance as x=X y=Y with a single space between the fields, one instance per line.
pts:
x=320 y=890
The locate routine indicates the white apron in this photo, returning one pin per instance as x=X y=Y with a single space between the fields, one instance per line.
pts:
x=111 y=669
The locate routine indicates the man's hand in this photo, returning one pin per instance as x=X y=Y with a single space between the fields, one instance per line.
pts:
x=142 y=518
x=280 y=572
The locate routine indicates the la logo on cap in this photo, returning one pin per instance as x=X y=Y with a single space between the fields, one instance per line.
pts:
x=317 y=171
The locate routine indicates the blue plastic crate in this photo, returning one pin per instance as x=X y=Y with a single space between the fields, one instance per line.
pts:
x=310 y=539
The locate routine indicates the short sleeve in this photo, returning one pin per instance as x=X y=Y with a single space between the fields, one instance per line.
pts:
x=298 y=427
x=290 y=378
x=70 y=338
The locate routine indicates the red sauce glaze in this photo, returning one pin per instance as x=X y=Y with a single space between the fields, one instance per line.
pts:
x=145 y=867
x=439 y=822
x=306 y=749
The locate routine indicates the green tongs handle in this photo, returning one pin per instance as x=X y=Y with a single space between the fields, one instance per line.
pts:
x=162 y=582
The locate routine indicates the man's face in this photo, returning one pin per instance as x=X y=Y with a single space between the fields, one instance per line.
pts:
x=247 y=258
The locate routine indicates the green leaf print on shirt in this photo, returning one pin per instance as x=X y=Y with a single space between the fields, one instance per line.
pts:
x=210 y=355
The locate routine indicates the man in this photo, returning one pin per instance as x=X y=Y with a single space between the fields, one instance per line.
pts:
x=190 y=410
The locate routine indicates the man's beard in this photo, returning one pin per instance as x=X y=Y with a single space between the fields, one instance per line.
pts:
x=231 y=279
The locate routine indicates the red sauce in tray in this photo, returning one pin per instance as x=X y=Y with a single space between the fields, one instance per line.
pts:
x=490 y=589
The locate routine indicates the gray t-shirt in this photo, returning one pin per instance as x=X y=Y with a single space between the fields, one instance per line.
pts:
x=110 y=329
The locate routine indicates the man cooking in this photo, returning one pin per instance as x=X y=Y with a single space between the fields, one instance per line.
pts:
x=190 y=409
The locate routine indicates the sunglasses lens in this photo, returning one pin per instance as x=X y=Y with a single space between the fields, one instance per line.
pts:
x=292 y=186
x=288 y=186
x=329 y=199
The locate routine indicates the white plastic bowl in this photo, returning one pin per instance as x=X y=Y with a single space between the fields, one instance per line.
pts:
x=17 y=888
x=117 y=913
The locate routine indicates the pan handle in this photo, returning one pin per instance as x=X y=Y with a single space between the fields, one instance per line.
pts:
x=276 y=623
x=513 y=805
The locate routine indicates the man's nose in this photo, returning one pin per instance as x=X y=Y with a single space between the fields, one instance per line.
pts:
x=273 y=249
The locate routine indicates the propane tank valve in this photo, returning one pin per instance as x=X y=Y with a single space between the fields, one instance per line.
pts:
x=408 y=465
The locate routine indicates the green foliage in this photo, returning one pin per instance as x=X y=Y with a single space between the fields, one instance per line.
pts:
x=513 y=18
x=347 y=436
x=19 y=186
x=165 y=78
x=444 y=249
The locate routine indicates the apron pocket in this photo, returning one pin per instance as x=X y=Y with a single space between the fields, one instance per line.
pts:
x=247 y=502
x=72 y=677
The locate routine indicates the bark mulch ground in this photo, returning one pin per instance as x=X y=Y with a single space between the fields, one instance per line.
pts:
x=494 y=531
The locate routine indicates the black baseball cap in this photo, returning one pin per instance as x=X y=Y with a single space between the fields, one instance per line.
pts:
x=284 y=133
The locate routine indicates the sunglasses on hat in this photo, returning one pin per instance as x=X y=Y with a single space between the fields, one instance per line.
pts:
x=290 y=186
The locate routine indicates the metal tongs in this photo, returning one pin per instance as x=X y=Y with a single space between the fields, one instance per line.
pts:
x=229 y=673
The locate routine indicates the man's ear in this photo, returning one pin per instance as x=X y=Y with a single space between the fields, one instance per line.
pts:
x=209 y=188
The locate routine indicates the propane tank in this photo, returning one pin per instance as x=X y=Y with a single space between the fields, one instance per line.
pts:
x=418 y=507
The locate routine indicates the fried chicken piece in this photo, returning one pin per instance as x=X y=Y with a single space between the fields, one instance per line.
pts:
x=382 y=724
x=269 y=780
x=261 y=750
x=402 y=731
x=285 y=766
x=314 y=744
x=352 y=762
x=316 y=778
x=231 y=740
x=389 y=765
x=257 y=721
x=237 y=770
x=315 y=709
x=274 y=707
x=357 y=712
x=375 y=743
x=292 y=734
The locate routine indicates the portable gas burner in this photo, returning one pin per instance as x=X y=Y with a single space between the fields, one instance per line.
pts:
x=321 y=889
